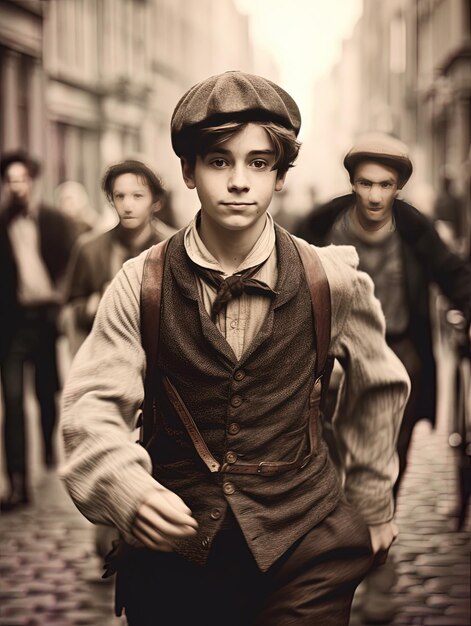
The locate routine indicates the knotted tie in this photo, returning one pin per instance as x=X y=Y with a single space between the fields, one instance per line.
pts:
x=233 y=286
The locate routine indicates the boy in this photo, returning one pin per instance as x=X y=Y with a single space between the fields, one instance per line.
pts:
x=135 y=192
x=237 y=344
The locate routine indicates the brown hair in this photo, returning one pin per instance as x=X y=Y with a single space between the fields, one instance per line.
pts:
x=132 y=167
x=201 y=141
x=19 y=156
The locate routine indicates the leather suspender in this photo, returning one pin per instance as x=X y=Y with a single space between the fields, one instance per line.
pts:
x=151 y=297
x=151 y=291
x=320 y=299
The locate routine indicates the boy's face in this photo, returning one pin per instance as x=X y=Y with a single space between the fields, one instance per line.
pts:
x=375 y=186
x=235 y=182
x=133 y=201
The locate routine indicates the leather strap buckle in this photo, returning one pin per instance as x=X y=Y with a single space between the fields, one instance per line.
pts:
x=260 y=467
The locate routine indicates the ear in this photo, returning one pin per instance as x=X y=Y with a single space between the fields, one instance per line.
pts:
x=280 y=182
x=188 y=173
x=156 y=206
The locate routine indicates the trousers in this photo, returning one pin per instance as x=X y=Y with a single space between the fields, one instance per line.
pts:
x=312 y=583
x=33 y=341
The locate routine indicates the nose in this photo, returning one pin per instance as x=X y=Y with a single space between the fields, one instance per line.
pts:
x=238 y=180
x=375 y=194
x=127 y=204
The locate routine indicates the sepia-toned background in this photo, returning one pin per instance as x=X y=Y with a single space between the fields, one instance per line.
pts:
x=87 y=82
x=84 y=83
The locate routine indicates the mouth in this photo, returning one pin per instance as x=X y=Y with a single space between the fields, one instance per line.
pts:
x=238 y=204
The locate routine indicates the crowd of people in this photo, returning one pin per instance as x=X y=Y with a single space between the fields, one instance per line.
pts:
x=227 y=374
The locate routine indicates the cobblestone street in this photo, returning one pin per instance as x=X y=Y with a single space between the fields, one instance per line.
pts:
x=50 y=576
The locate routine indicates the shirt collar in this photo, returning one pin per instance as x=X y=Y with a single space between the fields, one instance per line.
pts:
x=200 y=254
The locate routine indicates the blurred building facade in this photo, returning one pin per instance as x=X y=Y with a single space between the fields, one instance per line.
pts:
x=405 y=70
x=87 y=82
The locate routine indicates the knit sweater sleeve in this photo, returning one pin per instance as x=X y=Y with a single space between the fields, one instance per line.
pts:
x=374 y=390
x=106 y=473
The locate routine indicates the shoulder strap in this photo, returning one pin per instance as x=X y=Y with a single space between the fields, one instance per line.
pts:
x=320 y=300
x=151 y=296
x=151 y=292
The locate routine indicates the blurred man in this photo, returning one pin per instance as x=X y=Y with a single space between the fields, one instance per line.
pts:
x=35 y=244
x=401 y=251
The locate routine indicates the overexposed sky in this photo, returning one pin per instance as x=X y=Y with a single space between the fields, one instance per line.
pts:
x=303 y=36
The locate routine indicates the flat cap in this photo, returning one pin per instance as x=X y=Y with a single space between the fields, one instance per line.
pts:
x=232 y=96
x=383 y=149
x=19 y=156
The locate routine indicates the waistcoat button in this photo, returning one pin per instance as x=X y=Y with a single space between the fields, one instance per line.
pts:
x=228 y=488
x=206 y=543
x=233 y=428
x=239 y=375
x=231 y=457
x=216 y=514
x=236 y=401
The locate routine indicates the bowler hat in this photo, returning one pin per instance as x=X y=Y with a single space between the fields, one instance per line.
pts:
x=228 y=97
x=384 y=149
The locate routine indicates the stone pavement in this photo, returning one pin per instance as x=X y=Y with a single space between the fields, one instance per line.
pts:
x=48 y=570
x=50 y=576
x=432 y=559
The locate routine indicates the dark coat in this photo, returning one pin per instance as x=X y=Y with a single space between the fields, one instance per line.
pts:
x=56 y=233
x=90 y=270
x=427 y=260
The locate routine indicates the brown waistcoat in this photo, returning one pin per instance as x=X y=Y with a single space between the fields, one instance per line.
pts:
x=255 y=408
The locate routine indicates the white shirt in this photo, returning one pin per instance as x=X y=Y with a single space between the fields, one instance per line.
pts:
x=34 y=283
x=243 y=317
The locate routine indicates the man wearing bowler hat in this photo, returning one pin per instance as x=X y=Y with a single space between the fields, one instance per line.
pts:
x=234 y=513
x=401 y=251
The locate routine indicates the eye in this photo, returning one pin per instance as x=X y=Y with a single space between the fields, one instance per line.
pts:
x=258 y=164
x=118 y=196
x=138 y=195
x=218 y=163
x=386 y=185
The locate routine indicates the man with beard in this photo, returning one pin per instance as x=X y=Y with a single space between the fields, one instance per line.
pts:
x=35 y=244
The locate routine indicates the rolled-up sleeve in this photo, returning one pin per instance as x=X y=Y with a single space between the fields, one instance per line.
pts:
x=374 y=389
x=105 y=471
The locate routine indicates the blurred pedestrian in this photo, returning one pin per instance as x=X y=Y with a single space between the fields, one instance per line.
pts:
x=449 y=213
x=136 y=193
x=234 y=512
x=72 y=199
x=401 y=251
x=35 y=244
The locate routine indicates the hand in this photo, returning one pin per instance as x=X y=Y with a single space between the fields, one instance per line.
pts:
x=162 y=518
x=382 y=536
